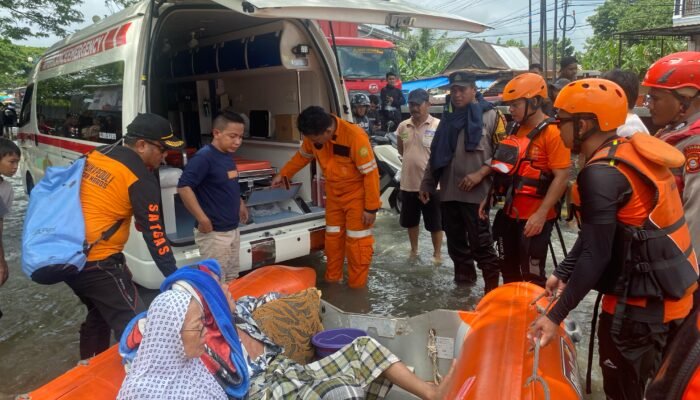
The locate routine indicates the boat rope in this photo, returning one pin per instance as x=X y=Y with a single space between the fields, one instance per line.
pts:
x=432 y=354
x=534 y=377
x=535 y=363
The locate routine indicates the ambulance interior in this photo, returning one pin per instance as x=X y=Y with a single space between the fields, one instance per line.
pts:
x=207 y=60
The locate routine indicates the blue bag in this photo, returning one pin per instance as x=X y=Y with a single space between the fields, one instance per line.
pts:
x=53 y=241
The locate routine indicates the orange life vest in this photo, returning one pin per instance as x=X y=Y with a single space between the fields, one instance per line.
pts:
x=515 y=173
x=656 y=262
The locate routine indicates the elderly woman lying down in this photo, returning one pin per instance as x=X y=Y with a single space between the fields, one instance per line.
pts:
x=193 y=347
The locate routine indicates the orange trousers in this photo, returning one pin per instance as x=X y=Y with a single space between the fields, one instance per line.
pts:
x=346 y=234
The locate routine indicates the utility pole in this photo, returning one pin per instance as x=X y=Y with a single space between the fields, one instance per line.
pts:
x=554 y=39
x=563 y=30
x=543 y=19
x=529 y=19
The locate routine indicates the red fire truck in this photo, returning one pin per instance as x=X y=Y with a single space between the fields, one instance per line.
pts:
x=364 y=62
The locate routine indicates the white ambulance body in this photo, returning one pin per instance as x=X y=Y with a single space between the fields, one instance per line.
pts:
x=186 y=60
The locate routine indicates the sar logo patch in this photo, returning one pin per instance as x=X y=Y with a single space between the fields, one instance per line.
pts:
x=692 y=159
x=364 y=152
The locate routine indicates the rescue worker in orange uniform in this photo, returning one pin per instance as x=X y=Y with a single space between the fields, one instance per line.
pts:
x=634 y=246
x=532 y=185
x=352 y=188
x=674 y=103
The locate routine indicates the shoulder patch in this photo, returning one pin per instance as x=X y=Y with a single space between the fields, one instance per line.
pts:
x=692 y=159
x=363 y=151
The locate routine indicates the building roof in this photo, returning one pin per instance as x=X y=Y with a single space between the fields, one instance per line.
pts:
x=477 y=54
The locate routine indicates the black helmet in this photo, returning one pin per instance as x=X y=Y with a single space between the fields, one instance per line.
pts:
x=359 y=99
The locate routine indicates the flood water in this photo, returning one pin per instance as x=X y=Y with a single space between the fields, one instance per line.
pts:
x=39 y=329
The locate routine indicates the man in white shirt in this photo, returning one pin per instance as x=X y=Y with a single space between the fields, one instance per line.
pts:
x=629 y=82
x=415 y=135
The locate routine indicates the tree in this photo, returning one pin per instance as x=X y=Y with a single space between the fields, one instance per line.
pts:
x=422 y=53
x=615 y=16
x=17 y=63
x=511 y=43
x=23 y=19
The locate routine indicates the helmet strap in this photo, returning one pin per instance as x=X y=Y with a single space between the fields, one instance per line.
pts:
x=578 y=137
x=529 y=103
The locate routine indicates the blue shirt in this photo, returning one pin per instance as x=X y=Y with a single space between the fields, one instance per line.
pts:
x=213 y=177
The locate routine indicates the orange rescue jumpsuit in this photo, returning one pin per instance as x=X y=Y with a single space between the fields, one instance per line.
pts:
x=352 y=187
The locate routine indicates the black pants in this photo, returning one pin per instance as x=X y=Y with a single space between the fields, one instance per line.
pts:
x=524 y=258
x=112 y=300
x=629 y=359
x=467 y=236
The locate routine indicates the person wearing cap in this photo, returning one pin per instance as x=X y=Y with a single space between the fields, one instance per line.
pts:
x=556 y=87
x=359 y=104
x=414 y=137
x=210 y=191
x=674 y=104
x=118 y=183
x=460 y=157
x=634 y=246
x=568 y=68
x=536 y=184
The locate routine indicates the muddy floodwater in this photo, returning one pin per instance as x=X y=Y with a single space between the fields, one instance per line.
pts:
x=39 y=329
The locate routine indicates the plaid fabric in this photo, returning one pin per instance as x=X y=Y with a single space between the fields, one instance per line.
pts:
x=350 y=373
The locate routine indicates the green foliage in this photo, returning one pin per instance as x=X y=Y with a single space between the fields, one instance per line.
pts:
x=17 y=63
x=614 y=16
x=511 y=43
x=22 y=19
x=422 y=54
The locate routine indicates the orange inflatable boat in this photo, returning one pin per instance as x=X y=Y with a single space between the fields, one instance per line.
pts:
x=494 y=359
x=497 y=360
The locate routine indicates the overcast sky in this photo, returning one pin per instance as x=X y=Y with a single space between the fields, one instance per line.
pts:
x=509 y=18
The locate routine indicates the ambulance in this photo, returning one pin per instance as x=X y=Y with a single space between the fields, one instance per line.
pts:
x=186 y=60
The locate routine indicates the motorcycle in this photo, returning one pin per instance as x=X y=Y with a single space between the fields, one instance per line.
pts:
x=389 y=165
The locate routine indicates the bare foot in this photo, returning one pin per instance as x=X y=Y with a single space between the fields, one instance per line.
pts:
x=413 y=254
x=437 y=260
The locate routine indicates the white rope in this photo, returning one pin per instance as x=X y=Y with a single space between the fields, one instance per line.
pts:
x=432 y=354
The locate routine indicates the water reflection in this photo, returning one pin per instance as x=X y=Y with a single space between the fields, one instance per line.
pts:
x=39 y=331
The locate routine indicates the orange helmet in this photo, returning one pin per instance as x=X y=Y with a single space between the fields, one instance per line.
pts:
x=675 y=71
x=525 y=86
x=601 y=97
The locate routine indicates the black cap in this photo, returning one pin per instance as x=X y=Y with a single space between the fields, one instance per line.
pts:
x=461 y=78
x=154 y=127
x=418 y=96
x=560 y=83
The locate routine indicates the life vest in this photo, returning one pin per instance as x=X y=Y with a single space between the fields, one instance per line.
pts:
x=675 y=136
x=656 y=259
x=679 y=375
x=515 y=173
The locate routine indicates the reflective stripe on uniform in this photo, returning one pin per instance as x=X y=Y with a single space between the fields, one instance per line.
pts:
x=368 y=167
x=359 y=234
x=305 y=154
x=332 y=229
